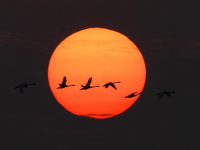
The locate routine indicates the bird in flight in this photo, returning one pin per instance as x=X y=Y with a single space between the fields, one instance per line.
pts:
x=22 y=86
x=164 y=92
x=133 y=94
x=111 y=84
x=63 y=84
x=87 y=86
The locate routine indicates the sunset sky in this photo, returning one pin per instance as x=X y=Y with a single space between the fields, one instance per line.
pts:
x=106 y=56
x=167 y=34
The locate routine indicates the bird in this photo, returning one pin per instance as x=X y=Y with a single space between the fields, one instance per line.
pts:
x=133 y=94
x=111 y=84
x=164 y=92
x=87 y=86
x=22 y=86
x=63 y=84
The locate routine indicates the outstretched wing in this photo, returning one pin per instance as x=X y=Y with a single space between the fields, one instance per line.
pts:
x=130 y=95
x=89 y=81
x=160 y=95
x=64 y=80
x=168 y=94
x=113 y=86
x=21 y=89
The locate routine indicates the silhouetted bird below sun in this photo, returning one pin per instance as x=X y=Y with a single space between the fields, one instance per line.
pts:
x=110 y=84
x=164 y=92
x=133 y=94
x=22 y=86
x=87 y=86
x=63 y=84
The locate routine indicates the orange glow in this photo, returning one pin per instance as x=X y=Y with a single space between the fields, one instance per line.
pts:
x=106 y=56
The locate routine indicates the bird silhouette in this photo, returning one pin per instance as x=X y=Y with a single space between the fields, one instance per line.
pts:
x=164 y=92
x=63 y=84
x=133 y=94
x=87 y=86
x=22 y=86
x=111 y=84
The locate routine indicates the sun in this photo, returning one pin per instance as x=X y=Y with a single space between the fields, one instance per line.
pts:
x=105 y=56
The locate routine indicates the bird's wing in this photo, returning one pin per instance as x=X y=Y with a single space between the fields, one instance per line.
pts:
x=160 y=95
x=168 y=94
x=113 y=86
x=130 y=95
x=127 y=96
x=21 y=89
x=89 y=81
x=64 y=80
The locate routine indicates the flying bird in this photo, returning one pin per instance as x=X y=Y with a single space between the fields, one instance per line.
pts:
x=164 y=92
x=133 y=94
x=111 y=84
x=22 y=86
x=63 y=84
x=87 y=86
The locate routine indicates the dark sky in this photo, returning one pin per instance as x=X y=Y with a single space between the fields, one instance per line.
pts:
x=167 y=33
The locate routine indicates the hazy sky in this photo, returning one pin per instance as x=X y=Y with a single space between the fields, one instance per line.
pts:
x=168 y=36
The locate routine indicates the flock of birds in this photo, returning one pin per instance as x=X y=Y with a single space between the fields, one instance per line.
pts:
x=87 y=86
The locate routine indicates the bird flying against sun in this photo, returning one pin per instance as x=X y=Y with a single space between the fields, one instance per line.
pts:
x=63 y=84
x=87 y=86
x=112 y=84
x=133 y=95
x=90 y=58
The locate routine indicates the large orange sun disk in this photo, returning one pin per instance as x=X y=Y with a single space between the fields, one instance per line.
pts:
x=106 y=56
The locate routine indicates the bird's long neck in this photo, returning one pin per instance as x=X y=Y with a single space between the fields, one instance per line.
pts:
x=93 y=86
x=71 y=85
x=117 y=82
